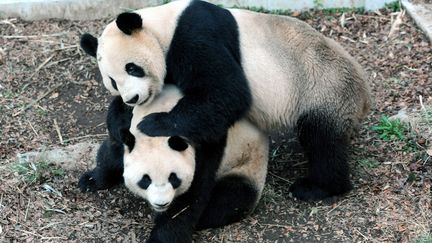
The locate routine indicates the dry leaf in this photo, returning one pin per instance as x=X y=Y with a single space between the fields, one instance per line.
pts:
x=395 y=26
x=342 y=20
x=429 y=151
x=54 y=95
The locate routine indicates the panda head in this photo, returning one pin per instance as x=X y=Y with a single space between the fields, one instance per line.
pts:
x=158 y=169
x=130 y=59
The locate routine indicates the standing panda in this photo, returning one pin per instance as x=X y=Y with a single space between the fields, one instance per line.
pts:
x=162 y=170
x=276 y=71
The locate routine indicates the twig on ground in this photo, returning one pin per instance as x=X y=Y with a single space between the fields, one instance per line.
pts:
x=276 y=225
x=57 y=128
x=421 y=103
x=181 y=211
x=59 y=61
x=299 y=163
x=85 y=136
x=348 y=39
x=31 y=126
x=9 y=22
x=331 y=210
x=64 y=48
x=37 y=100
x=32 y=36
x=41 y=66
x=364 y=236
x=281 y=178
x=48 y=225
x=27 y=209
x=31 y=233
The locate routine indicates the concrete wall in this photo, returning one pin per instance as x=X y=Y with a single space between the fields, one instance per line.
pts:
x=69 y=9
x=94 y=9
x=305 y=4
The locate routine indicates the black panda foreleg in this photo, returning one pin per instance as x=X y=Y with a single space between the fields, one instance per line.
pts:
x=323 y=137
x=232 y=199
x=109 y=168
x=109 y=159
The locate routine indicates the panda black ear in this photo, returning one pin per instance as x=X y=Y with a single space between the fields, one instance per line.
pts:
x=177 y=143
x=129 y=22
x=89 y=44
x=127 y=138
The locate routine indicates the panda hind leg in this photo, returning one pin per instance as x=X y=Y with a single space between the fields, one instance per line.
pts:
x=326 y=143
x=109 y=168
x=233 y=198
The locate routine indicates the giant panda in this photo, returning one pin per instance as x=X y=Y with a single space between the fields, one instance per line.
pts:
x=276 y=71
x=162 y=169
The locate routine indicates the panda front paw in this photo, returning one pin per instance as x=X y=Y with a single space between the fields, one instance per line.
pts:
x=171 y=231
x=304 y=189
x=88 y=182
x=157 y=124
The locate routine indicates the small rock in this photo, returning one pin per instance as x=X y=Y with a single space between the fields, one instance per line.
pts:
x=429 y=151
x=421 y=141
x=402 y=116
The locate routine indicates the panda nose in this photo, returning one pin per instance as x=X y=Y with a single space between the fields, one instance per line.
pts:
x=161 y=205
x=133 y=100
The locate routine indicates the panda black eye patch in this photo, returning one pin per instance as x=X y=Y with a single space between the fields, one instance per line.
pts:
x=174 y=180
x=134 y=70
x=145 y=182
x=113 y=83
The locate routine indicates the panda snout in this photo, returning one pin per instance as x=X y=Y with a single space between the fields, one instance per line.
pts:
x=133 y=100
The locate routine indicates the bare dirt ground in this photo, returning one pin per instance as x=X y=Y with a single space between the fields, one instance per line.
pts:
x=51 y=95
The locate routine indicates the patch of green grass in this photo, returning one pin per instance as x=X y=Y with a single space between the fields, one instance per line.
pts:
x=289 y=12
x=331 y=11
x=41 y=112
x=426 y=116
x=8 y=94
x=267 y=11
x=390 y=129
x=36 y=172
x=393 y=6
x=368 y=163
x=424 y=239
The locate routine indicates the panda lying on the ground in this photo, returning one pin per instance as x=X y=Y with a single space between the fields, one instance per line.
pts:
x=163 y=171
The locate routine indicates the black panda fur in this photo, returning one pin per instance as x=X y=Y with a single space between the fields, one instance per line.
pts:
x=109 y=159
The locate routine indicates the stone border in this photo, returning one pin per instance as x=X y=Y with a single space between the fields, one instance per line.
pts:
x=422 y=15
x=69 y=9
